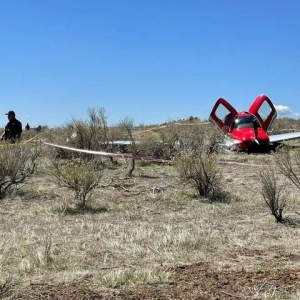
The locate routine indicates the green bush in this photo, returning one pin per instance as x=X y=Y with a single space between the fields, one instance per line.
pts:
x=93 y=133
x=17 y=163
x=81 y=175
x=200 y=168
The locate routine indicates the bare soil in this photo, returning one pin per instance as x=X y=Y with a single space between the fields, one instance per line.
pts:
x=196 y=281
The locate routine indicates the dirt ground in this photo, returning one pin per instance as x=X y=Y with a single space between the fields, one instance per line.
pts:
x=153 y=238
x=190 y=282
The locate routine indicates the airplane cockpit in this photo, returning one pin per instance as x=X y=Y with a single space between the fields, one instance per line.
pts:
x=245 y=122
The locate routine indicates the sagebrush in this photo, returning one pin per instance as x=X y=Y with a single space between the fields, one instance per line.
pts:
x=17 y=163
x=273 y=194
x=81 y=175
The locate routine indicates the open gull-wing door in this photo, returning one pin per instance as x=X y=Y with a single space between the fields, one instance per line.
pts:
x=222 y=115
x=264 y=110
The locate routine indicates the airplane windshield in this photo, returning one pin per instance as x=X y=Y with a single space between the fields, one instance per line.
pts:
x=244 y=122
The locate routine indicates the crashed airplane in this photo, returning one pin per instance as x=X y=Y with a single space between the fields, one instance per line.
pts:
x=248 y=130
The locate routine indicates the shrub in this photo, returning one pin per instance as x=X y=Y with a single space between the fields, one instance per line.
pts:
x=173 y=138
x=191 y=138
x=127 y=125
x=93 y=133
x=81 y=175
x=17 y=163
x=151 y=145
x=198 y=162
x=201 y=169
x=273 y=194
x=289 y=165
x=169 y=137
x=282 y=125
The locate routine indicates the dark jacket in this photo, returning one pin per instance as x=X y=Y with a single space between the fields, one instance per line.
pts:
x=13 y=130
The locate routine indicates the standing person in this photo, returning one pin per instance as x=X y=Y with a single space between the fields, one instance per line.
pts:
x=13 y=128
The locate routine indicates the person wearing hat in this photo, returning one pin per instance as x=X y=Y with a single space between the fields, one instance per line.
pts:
x=13 y=128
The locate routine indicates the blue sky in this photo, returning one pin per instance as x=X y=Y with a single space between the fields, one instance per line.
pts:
x=150 y=60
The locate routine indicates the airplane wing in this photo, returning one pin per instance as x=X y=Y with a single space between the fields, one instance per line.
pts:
x=284 y=136
x=119 y=143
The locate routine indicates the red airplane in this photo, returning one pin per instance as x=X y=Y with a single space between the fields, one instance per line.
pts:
x=247 y=131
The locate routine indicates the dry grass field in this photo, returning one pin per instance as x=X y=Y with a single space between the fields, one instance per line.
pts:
x=150 y=236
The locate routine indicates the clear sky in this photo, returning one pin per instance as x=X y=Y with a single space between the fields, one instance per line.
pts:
x=151 y=60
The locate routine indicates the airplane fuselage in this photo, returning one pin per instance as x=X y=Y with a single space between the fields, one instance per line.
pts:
x=248 y=130
x=249 y=139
